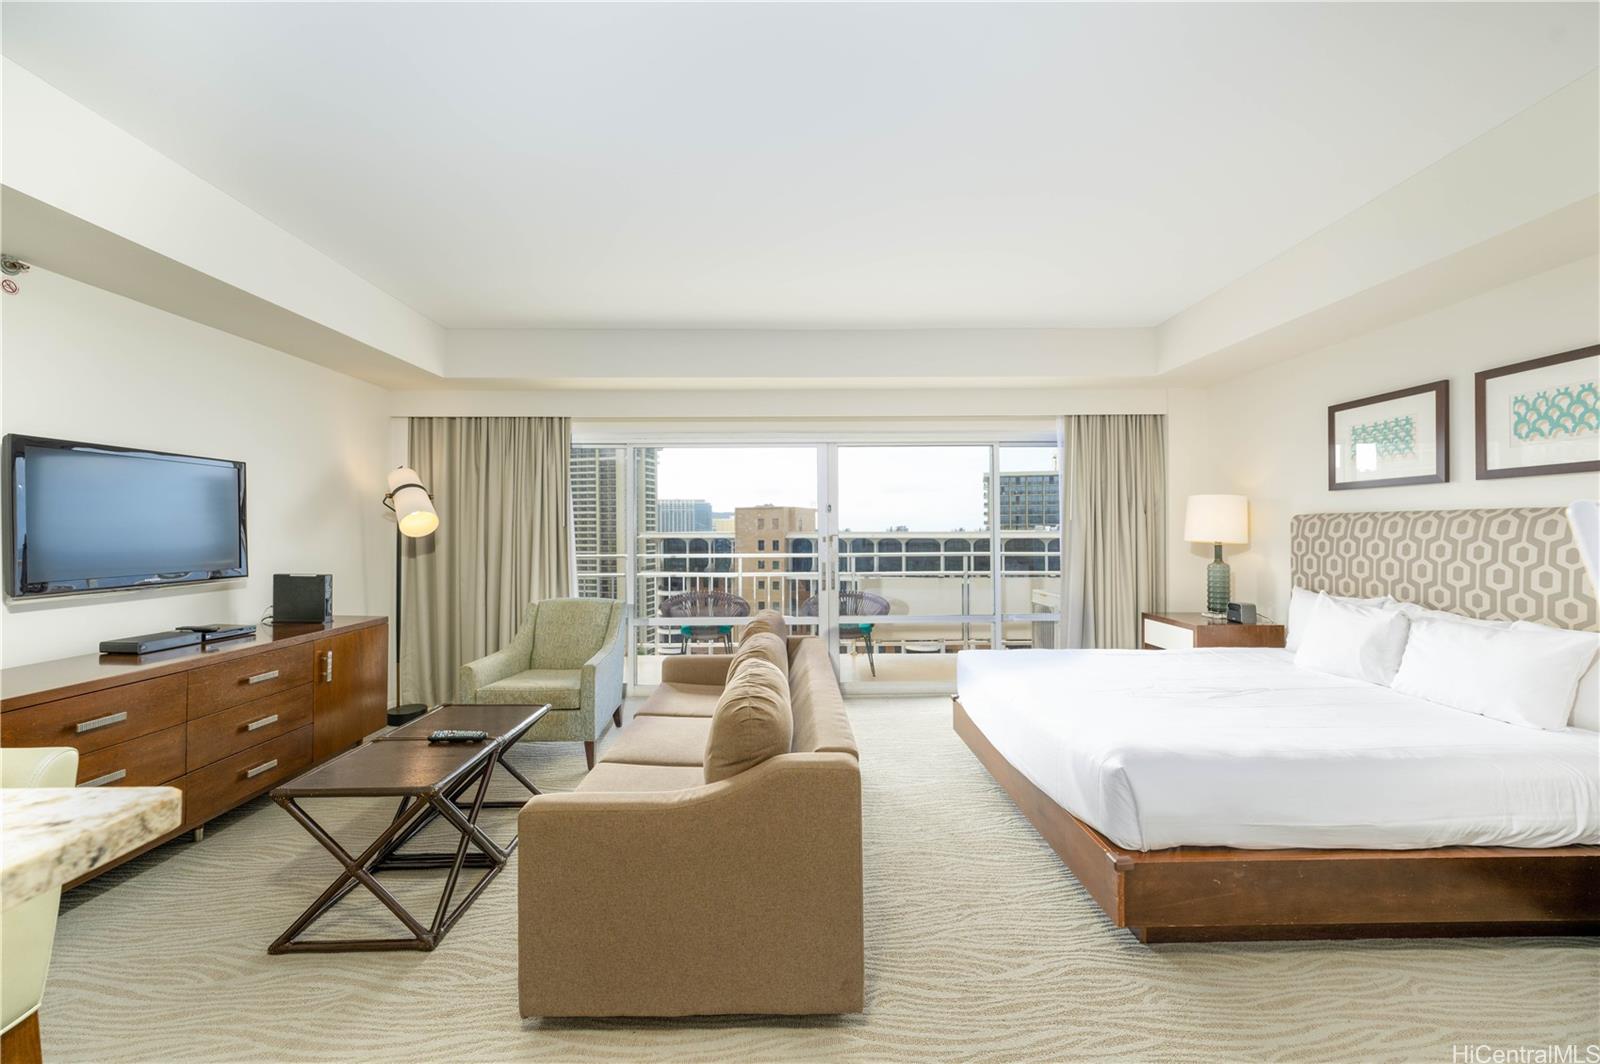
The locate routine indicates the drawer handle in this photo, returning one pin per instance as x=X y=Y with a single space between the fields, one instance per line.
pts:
x=265 y=766
x=262 y=723
x=262 y=677
x=109 y=777
x=101 y=722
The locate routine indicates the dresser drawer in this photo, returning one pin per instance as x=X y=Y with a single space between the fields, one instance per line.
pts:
x=214 y=737
x=147 y=761
x=100 y=718
x=229 y=683
x=219 y=787
x=1164 y=636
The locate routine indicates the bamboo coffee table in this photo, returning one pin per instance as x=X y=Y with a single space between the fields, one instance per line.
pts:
x=432 y=783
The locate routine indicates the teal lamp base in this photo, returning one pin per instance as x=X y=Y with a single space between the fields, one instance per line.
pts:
x=1219 y=584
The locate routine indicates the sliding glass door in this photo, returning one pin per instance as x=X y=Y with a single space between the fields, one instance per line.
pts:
x=900 y=554
x=721 y=532
x=914 y=547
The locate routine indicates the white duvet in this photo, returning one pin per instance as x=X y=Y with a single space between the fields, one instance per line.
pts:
x=1241 y=748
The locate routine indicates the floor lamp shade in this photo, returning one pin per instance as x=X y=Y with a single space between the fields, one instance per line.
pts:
x=413 y=509
x=414 y=517
x=1217 y=519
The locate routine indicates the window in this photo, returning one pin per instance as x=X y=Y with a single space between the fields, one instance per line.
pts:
x=761 y=522
x=761 y=544
x=761 y=565
x=761 y=605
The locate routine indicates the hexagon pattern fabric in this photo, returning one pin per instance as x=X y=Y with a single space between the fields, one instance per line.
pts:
x=1517 y=564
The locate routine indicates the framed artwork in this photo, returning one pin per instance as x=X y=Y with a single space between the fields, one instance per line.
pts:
x=1539 y=416
x=1384 y=441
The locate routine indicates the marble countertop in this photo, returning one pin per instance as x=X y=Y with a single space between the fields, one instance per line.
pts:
x=52 y=835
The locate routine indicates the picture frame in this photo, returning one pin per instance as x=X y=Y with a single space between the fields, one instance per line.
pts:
x=1391 y=440
x=1539 y=416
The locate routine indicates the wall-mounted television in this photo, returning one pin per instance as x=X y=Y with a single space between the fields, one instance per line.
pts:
x=95 y=517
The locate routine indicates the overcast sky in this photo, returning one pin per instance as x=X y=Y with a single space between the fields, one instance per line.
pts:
x=930 y=489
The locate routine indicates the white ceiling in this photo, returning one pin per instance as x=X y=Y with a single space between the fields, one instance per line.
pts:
x=803 y=165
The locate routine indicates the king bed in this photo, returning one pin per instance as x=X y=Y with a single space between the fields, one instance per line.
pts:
x=1233 y=794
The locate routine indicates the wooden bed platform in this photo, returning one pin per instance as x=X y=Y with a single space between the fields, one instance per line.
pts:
x=1206 y=894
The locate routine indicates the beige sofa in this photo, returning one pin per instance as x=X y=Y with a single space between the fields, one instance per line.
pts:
x=649 y=892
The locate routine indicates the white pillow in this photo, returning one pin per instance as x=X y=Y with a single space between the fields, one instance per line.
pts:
x=1521 y=676
x=1346 y=639
x=1412 y=610
x=1302 y=602
x=1586 y=707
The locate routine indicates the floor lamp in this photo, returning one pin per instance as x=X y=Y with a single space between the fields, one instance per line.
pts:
x=414 y=517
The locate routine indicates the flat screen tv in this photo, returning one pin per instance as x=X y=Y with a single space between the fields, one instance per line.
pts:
x=93 y=517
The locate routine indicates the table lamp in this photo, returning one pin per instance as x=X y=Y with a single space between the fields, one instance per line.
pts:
x=414 y=517
x=1217 y=519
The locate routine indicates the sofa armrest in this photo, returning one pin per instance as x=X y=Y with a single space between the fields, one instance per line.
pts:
x=742 y=896
x=476 y=675
x=709 y=670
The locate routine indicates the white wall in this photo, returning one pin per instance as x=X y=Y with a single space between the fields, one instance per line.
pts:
x=1272 y=423
x=80 y=363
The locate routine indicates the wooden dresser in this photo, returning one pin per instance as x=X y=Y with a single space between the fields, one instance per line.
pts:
x=223 y=724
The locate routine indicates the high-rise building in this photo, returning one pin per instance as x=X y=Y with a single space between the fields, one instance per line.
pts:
x=685 y=515
x=761 y=533
x=599 y=505
x=1028 y=500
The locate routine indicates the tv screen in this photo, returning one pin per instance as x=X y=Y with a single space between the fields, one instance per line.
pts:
x=89 y=517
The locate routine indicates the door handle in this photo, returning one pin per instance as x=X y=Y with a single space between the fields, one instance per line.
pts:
x=327 y=668
x=101 y=722
x=109 y=777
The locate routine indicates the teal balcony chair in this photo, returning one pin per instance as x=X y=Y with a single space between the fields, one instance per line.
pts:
x=567 y=652
x=854 y=604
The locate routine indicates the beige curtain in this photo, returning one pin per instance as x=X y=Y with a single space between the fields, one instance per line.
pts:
x=1116 y=540
x=500 y=486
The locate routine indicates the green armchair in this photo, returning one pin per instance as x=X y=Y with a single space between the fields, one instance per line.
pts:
x=567 y=652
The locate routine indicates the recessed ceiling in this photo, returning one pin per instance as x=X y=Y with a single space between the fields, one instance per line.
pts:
x=816 y=165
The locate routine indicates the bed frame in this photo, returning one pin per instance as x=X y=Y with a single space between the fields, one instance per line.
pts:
x=1451 y=559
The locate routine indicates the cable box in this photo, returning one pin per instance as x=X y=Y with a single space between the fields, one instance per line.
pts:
x=149 y=644
x=211 y=633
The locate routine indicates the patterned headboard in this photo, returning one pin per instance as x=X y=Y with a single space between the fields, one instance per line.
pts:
x=1508 y=564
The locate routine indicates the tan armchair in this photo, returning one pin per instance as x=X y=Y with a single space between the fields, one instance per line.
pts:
x=567 y=652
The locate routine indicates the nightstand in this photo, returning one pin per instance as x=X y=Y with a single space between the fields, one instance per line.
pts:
x=1181 y=631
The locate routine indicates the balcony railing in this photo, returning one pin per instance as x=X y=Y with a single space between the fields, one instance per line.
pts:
x=940 y=587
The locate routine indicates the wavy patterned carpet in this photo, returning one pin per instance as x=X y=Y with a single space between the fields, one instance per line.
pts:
x=980 y=946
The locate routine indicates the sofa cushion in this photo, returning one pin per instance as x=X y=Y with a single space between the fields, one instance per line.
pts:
x=660 y=741
x=753 y=721
x=768 y=620
x=764 y=645
x=568 y=632
x=821 y=724
x=559 y=687
x=620 y=776
x=681 y=700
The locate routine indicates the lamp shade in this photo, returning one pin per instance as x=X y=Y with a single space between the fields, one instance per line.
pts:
x=1217 y=519
x=413 y=510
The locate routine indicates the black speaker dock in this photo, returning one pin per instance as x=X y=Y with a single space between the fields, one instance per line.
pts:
x=302 y=599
